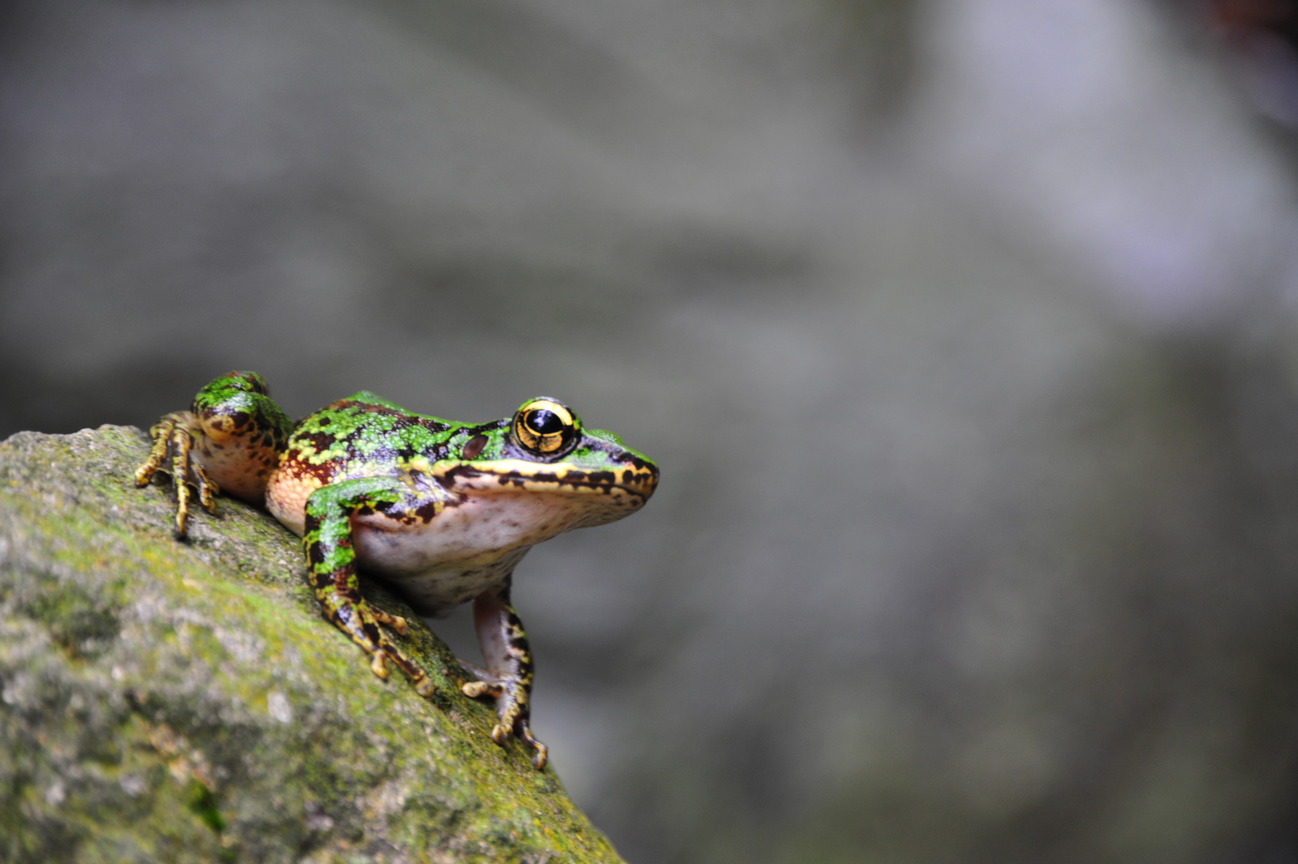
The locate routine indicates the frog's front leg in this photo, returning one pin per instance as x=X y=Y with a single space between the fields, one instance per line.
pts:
x=509 y=673
x=331 y=559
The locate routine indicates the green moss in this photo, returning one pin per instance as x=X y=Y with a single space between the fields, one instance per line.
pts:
x=201 y=801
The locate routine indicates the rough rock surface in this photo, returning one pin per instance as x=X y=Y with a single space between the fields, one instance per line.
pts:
x=167 y=701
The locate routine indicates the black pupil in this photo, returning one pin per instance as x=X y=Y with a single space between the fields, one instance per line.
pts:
x=545 y=422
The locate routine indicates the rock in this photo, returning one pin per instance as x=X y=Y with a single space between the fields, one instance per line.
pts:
x=169 y=701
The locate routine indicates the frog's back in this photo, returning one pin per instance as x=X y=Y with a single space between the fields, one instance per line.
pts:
x=369 y=397
x=363 y=435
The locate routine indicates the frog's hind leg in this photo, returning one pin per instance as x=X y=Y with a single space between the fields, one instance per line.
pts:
x=242 y=435
x=510 y=672
x=173 y=440
x=229 y=441
x=331 y=559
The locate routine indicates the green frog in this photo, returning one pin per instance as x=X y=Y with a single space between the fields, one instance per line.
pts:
x=442 y=511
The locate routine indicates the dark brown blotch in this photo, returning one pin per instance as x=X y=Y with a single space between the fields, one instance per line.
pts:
x=474 y=447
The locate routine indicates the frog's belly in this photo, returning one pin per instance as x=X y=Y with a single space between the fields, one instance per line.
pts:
x=465 y=549
x=432 y=587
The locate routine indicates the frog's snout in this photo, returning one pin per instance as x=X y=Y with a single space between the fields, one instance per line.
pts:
x=641 y=477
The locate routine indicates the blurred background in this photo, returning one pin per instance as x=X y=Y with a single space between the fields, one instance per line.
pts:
x=962 y=330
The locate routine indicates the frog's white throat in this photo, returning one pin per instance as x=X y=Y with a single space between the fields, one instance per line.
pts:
x=468 y=547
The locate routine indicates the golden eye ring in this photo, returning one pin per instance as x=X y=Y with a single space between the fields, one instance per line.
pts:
x=545 y=427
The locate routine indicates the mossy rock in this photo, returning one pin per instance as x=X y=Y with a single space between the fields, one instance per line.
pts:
x=168 y=701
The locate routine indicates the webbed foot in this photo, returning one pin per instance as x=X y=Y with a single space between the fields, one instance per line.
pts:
x=361 y=621
x=511 y=707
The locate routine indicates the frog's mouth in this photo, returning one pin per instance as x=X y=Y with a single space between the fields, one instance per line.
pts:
x=623 y=489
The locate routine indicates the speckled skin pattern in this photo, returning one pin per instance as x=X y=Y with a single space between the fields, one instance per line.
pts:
x=442 y=511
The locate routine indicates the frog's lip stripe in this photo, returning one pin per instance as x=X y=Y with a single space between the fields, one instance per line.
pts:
x=507 y=474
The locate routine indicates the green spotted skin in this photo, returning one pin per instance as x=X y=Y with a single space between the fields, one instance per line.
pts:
x=442 y=511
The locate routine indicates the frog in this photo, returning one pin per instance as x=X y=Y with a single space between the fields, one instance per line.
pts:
x=442 y=512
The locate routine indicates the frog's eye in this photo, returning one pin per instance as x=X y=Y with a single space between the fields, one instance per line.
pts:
x=545 y=427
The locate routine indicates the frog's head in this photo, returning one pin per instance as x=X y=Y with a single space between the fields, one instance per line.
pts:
x=544 y=452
